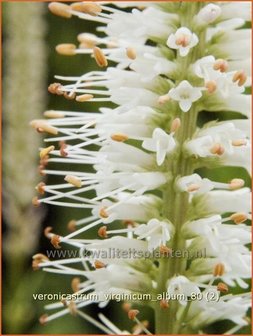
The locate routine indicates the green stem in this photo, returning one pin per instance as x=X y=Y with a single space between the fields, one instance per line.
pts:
x=176 y=203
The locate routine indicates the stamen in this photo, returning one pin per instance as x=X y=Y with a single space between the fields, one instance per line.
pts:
x=43 y=126
x=247 y=319
x=72 y=308
x=103 y=213
x=131 y=53
x=63 y=146
x=126 y=306
x=75 y=284
x=193 y=187
x=47 y=232
x=84 y=98
x=221 y=65
x=67 y=49
x=100 y=57
x=140 y=327
x=88 y=41
x=221 y=287
x=71 y=225
x=182 y=40
x=219 y=270
x=163 y=99
x=236 y=184
x=87 y=8
x=102 y=232
x=75 y=181
x=128 y=230
x=133 y=313
x=239 y=217
x=44 y=161
x=234 y=330
x=165 y=251
x=83 y=229
x=119 y=137
x=64 y=302
x=45 y=151
x=211 y=86
x=217 y=149
x=69 y=96
x=55 y=240
x=41 y=188
x=100 y=326
x=239 y=142
x=129 y=222
x=112 y=44
x=55 y=88
x=175 y=125
x=35 y=201
x=43 y=319
x=240 y=77
x=37 y=259
x=40 y=170
x=164 y=304
x=54 y=114
x=99 y=264
x=60 y=9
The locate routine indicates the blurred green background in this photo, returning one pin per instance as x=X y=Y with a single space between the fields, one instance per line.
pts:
x=30 y=62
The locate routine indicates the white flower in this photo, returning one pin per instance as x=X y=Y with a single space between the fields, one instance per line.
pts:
x=185 y=94
x=228 y=43
x=111 y=121
x=226 y=140
x=194 y=184
x=138 y=26
x=223 y=81
x=208 y=14
x=231 y=10
x=224 y=243
x=213 y=225
x=161 y=143
x=152 y=65
x=119 y=153
x=157 y=233
x=234 y=256
x=183 y=40
x=181 y=285
x=203 y=68
x=116 y=250
x=204 y=312
x=229 y=201
x=129 y=207
x=117 y=279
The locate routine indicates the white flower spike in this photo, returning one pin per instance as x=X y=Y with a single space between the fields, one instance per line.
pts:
x=165 y=228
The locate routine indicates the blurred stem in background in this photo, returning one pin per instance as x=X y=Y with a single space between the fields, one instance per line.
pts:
x=23 y=97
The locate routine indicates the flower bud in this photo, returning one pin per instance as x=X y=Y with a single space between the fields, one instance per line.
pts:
x=209 y=14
